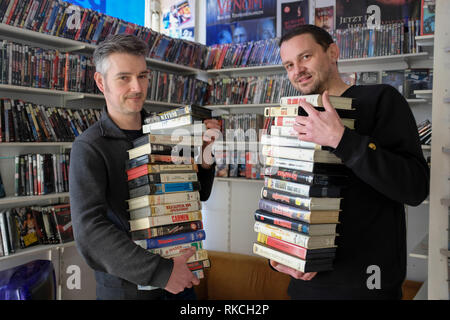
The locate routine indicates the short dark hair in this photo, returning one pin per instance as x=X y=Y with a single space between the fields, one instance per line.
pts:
x=322 y=37
x=118 y=43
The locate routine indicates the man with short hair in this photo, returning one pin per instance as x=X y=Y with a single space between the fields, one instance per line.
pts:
x=387 y=171
x=99 y=190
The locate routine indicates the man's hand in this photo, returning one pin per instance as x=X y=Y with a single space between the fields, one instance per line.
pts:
x=181 y=277
x=324 y=128
x=212 y=130
x=292 y=272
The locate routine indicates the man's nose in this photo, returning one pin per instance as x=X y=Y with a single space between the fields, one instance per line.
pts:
x=135 y=85
x=299 y=68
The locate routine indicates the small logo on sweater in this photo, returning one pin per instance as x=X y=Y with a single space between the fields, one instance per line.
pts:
x=374 y=280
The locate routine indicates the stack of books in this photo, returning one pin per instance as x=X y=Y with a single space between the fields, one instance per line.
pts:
x=164 y=204
x=300 y=202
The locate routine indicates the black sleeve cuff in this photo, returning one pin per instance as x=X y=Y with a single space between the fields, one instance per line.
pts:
x=351 y=147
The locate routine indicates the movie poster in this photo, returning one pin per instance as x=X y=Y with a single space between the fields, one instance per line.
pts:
x=231 y=21
x=371 y=13
x=178 y=19
x=291 y=14
x=324 y=18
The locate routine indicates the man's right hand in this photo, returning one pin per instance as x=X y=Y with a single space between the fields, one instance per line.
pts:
x=181 y=277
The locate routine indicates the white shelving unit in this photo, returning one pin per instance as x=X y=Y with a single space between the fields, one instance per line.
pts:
x=438 y=272
x=393 y=62
x=37 y=249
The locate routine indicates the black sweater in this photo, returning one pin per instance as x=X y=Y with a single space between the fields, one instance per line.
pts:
x=386 y=175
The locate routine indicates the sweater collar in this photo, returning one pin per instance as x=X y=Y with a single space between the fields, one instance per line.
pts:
x=110 y=129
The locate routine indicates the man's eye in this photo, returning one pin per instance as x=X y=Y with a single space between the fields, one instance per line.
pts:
x=306 y=57
x=124 y=78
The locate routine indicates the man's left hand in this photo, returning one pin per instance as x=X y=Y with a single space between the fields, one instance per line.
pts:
x=306 y=276
x=208 y=137
x=324 y=128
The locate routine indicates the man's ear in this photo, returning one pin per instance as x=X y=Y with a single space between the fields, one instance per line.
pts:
x=333 y=52
x=100 y=81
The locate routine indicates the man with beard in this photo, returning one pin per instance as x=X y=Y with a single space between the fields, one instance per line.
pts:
x=387 y=171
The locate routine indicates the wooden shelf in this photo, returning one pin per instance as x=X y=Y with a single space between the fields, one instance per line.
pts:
x=22 y=200
x=37 y=249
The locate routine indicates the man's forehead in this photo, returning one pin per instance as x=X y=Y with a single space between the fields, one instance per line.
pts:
x=302 y=39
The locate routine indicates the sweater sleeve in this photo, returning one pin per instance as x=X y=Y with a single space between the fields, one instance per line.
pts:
x=103 y=245
x=390 y=158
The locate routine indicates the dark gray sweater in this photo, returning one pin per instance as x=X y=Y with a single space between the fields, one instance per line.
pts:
x=98 y=190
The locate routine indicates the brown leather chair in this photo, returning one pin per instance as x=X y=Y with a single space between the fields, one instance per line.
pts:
x=234 y=276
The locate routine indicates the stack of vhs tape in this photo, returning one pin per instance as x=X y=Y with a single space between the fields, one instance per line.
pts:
x=164 y=204
x=300 y=202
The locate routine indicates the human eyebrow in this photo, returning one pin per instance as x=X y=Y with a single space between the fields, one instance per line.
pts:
x=121 y=74
x=303 y=53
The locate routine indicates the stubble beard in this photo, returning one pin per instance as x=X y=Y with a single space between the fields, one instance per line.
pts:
x=312 y=89
x=318 y=85
x=122 y=103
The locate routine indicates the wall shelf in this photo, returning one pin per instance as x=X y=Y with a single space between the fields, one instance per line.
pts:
x=40 y=91
x=244 y=180
x=25 y=200
x=424 y=94
x=36 y=144
x=237 y=106
x=46 y=40
x=421 y=250
x=69 y=45
x=417 y=101
x=425 y=41
x=37 y=249
x=400 y=61
x=445 y=252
